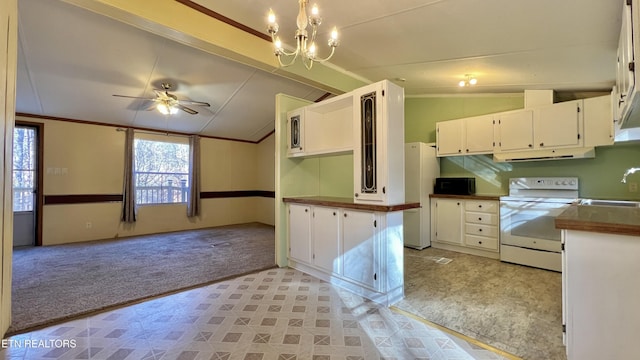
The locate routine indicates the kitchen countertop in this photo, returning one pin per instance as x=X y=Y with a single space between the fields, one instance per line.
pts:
x=467 y=197
x=348 y=203
x=601 y=219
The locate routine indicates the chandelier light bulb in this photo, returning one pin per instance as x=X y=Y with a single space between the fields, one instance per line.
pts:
x=312 y=51
x=271 y=17
x=462 y=83
x=473 y=81
x=314 y=10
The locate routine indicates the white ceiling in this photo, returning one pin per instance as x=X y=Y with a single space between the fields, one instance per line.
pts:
x=71 y=61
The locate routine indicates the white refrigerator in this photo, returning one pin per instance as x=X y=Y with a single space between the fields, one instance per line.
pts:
x=422 y=167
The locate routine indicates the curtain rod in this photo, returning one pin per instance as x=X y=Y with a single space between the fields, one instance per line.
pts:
x=150 y=132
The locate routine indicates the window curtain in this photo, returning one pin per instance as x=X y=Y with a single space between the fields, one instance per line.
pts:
x=193 y=203
x=128 y=191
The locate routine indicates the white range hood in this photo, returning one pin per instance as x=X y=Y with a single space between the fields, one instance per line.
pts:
x=538 y=155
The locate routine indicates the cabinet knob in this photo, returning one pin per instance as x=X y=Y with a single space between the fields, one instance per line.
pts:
x=479 y=218
x=541 y=144
x=306 y=210
x=459 y=150
x=345 y=214
x=530 y=145
x=334 y=213
x=356 y=195
x=480 y=242
x=480 y=230
x=479 y=206
x=467 y=150
x=458 y=204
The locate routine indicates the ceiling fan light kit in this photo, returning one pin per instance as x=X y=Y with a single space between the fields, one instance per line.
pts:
x=167 y=103
x=306 y=47
x=470 y=80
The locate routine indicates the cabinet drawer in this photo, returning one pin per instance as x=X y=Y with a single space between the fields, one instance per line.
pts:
x=482 y=230
x=481 y=218
x=483 y=206
x=481 y=242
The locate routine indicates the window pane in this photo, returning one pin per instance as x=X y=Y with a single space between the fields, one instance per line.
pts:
x=24 y=164
x=161 y=172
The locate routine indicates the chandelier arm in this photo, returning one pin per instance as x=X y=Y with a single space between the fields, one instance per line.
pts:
x=293 y=59
x=333 y=49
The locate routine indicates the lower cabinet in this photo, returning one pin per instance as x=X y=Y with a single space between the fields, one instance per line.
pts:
x=360 y=247
x=355 y=249
x=469 y=226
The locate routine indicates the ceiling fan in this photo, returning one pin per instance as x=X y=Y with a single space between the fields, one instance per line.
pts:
x=167 y=103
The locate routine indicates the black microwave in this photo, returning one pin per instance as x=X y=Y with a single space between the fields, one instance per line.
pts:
x=455 y=186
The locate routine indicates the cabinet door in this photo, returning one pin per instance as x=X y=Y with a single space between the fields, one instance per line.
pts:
x=449 y=137
x=295 y=133
x=448 y=221
x=360 y=248
x=515 y=131
x=300 y=232
x=625 y=77
x=326 y=239
x=558 y=125
x=368 y=150
x=478 y=135
x=598 y=121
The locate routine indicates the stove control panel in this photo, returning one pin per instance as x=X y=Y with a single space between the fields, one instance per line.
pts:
x=544 y=183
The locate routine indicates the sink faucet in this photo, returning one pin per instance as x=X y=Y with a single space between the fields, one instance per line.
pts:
x=629 y=172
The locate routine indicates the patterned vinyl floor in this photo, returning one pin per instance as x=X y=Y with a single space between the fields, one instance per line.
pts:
x=279 y=314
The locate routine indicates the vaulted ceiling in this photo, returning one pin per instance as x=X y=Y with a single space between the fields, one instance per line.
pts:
x=71 y=60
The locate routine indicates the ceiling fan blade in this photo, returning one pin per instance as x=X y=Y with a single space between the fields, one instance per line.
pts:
x=151 y=106
x=186 y=109
x=189 y=102
x=132 y=97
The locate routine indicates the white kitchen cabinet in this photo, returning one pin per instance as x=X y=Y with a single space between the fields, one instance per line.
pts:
x=468 y=136
x=448 y=220
x=328 y=126
x=478 y=135
x=625 y=71
x=449 y=137
x=360 y=248
x=514 y=131
x=466 y=225
x=601 y=289
x=599 y=125
x=326 y=239
x=378 y=154
x=558 y=125
x=300 y=232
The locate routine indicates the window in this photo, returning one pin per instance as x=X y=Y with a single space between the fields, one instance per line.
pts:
x=24 y=168
x=161 y=171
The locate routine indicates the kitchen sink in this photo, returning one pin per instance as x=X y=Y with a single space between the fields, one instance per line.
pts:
x=617 y=203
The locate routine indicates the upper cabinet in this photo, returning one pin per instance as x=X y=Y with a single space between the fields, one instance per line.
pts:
x=561 y=128
x=465 y=136
x=558 y=125
x=514 y=131
x=625 y=71
x=378 y=134
x=321 y=128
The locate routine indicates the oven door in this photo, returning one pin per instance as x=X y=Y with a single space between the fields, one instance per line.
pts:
x=530 y=223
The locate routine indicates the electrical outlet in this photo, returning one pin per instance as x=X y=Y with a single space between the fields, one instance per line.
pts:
x=633 y=187
x=88 y=225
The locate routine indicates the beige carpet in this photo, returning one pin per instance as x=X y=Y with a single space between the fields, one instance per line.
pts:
x=54 y=283
x=514 y=308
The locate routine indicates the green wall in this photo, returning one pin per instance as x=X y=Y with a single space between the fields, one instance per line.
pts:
x=599 y=177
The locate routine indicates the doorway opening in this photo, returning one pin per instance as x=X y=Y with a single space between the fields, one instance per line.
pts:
x=27 y=184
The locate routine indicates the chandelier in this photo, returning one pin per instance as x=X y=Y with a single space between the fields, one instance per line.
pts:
x=305 y=46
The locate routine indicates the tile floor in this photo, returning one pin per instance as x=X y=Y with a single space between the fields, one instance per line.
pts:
x=279 y=314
